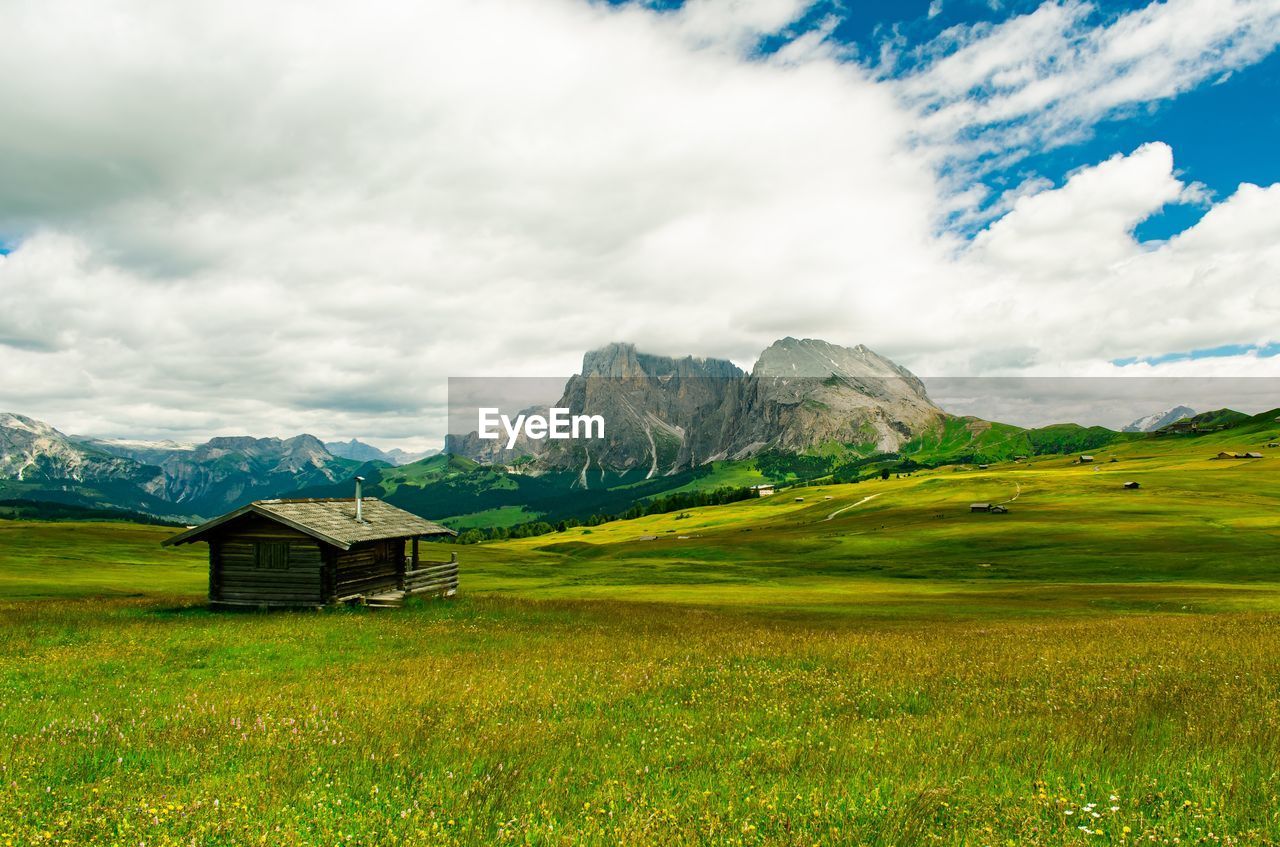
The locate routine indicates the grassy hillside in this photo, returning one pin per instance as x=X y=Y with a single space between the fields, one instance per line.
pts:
x=1194 y=518
x=465 y=494
x=490 y=721
x=95 y=559
x=881 y=667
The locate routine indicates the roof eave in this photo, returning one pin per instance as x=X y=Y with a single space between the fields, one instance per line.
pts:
x=192 y=535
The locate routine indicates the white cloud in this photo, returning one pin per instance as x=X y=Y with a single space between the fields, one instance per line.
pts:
x=1084 y=227
x=1045 y=78
x=304 y=217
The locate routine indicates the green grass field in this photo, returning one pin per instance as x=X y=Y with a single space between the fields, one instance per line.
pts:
x=881 y=667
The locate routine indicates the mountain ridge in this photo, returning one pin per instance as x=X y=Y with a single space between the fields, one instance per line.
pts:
x=1159 y=420
x=666 y=414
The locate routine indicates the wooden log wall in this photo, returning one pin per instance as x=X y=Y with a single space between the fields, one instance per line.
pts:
x=237 y=577
x=369 y=568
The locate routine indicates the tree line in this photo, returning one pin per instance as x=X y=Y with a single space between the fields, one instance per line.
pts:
x=677 y=502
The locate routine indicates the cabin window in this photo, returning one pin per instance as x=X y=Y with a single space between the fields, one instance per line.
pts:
x=271 y=555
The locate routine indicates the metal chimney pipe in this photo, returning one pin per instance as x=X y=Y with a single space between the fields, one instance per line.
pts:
x=359 y=501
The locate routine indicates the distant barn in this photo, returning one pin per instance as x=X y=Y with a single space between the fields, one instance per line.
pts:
x=1084 y=459
x=308 y=553
x=763 y=490
x=979 y=507
x=1132 y=485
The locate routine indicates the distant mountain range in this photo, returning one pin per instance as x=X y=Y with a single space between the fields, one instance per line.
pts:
x=1159 y=420
x=361 y=452
x=806 y=410
x=164 y=478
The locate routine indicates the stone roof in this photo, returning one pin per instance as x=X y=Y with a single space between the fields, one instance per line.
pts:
x=332 y=521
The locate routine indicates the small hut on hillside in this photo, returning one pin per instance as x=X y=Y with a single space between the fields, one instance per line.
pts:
x=1085 y=459
x=320 y=551
x=1132 y=485
x=764 y=490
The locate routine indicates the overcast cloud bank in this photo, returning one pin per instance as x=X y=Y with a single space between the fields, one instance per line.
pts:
x=226 y=219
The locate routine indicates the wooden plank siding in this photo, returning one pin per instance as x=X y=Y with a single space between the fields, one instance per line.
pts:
x=255 y=561
x=369 y=568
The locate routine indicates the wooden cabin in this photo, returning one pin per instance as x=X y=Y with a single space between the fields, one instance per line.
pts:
x=1084 y=459
x=291 y=553
x=979 y=507
x=765 y=490
x=1132 y=485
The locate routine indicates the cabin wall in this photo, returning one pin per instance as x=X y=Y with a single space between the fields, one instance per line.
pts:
x=262 y=562
x=369 y=568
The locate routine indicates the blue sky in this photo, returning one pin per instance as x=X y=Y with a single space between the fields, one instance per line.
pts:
x=1224 y=132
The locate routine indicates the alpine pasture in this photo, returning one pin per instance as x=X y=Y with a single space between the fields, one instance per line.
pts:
x=870 y=664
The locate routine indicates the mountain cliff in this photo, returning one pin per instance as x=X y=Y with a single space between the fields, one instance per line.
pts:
x=159 y=477
x=665 y=414
x=806 y=394
x=1151 y=423
x=225 y=472
x=31 y=450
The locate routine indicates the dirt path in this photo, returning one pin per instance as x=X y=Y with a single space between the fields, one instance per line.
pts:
x=1015 y=496
x=851 y=505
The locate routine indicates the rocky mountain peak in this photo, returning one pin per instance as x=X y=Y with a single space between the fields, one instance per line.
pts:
x=32 y=449
x=667 y=414
x=813 y=357
x=620 y=360
x=1153 y=422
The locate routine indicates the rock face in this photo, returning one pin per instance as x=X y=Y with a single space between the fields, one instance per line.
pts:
x=356 y=450
x=806 y=394
x=31 y=450
x=495 y=451
x=396 y=456
x=667 y=414
x=146 y=452
x=661 y=413
x=1160 y=419
x=160 y=477
x=225 y=472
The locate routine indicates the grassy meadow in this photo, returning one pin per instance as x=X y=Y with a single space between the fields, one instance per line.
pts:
x=1098 y=666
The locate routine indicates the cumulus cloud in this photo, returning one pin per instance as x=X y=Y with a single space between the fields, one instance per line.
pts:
x=304 y=217
x=992 y=93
